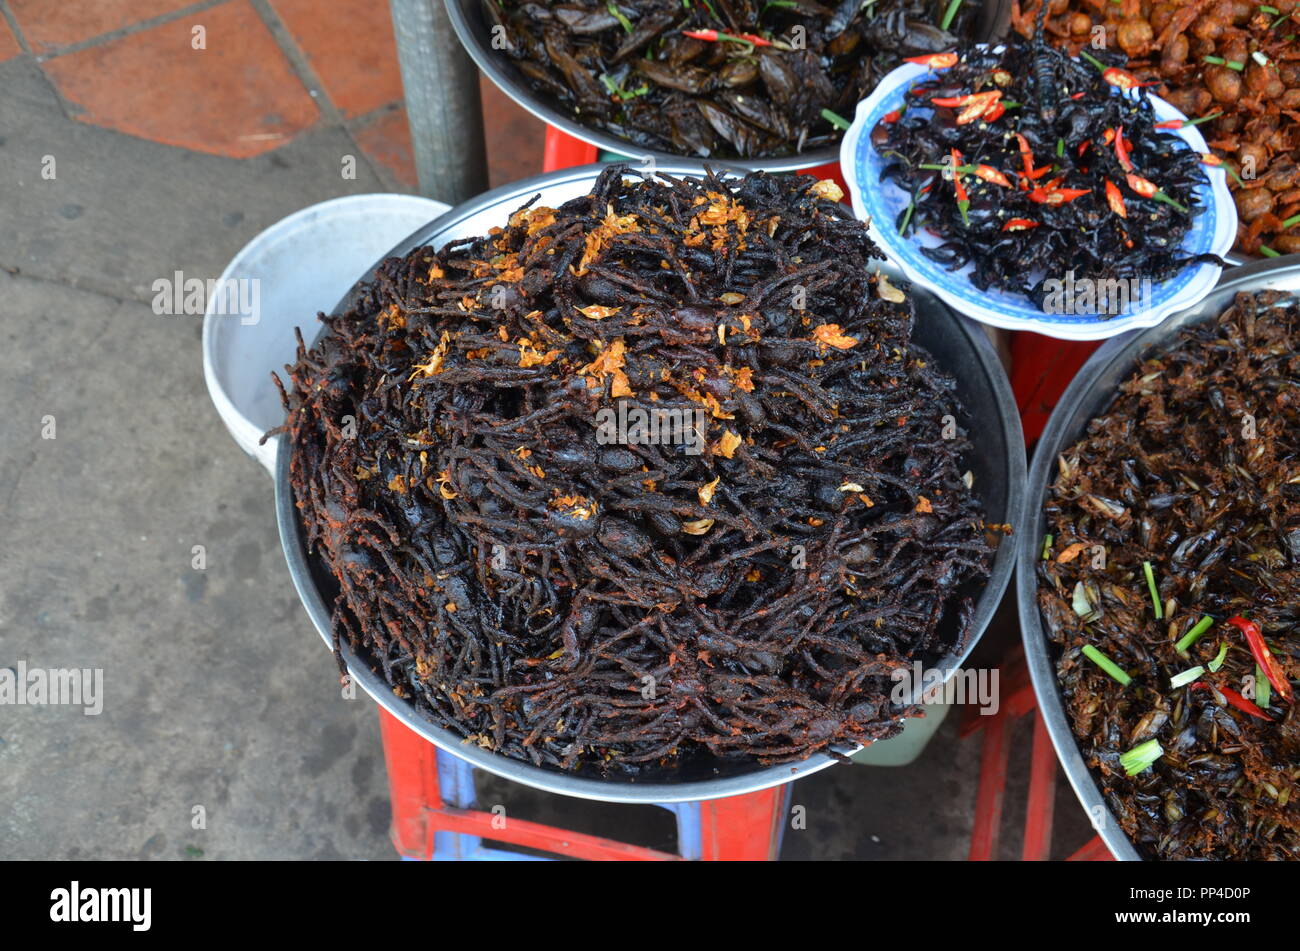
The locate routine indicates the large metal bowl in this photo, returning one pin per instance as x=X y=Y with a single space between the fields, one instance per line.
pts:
x=1087 y=396
x=997 y=463
x=475 y=35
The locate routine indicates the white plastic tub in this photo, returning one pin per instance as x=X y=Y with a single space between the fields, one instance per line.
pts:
x=303 y=264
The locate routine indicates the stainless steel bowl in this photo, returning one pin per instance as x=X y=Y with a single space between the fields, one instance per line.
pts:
x=997 y=463
x=475 y=35
x=1087 y=396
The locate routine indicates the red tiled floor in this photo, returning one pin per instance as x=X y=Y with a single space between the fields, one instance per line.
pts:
x=387 y=142
x=349 y=43
x=9 y=47
x=238 y=98
x=48 y=24
x=514 y=140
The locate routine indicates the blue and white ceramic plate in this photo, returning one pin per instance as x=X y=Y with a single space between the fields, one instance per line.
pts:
x=879 y=204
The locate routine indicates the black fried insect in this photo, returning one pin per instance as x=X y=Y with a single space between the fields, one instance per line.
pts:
x=1087 y=185
x=580 y=603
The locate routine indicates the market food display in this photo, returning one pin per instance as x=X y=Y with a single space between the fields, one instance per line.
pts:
x=618 y=604
x=1170 y=582
x=1232 y=64
x=1030 y=165
x=719 y=78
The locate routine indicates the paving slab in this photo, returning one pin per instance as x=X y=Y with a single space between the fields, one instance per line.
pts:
x=122 y=212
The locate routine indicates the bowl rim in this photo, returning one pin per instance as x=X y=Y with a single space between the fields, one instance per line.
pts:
x=507 y=198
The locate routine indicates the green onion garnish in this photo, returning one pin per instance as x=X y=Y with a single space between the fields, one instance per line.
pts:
x=1263 y=689
x=836 y=120
x=1162 y=196
x=953 y=7
x=1215 y=664
x=1186 y=677
x=1272 y=11
x=1291 y=222
x=907 y=217
x=1151 y=586
x=1141 y=757
x=1060 y=148
x=1234 y=65
x=1268 y=252
x=1214 y=60
x=1194 y=635
x=1106 y=664
x=1092 y=59
x=617 y=14
x=1212 y=115
x=1047 y=547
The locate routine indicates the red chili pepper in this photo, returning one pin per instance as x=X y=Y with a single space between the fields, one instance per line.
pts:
x=981 y=104
x=1079 y=95
x=1052 y=194
x=995 y=112
x=1083 y=146
x=935 y=60
x=891 y=117
x=1237 y=700
x=973 y=105
x=713 y=36
x=956 y=177
x=1115 y=199
x=1146 y=189
x=1121 y=150
x=1171 y=124
x=1026 y=155
x=1209 y=159
x=1123 y=79
x=1019 y=224
x=1108 y=137
x=991 y=174
x=1263 y=656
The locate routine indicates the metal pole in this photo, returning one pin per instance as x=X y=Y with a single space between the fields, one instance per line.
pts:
x=442 y=102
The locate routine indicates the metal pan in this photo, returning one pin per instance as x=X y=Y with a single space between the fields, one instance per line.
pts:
x=997 y=463
x=475 y=35
x=1087 y=396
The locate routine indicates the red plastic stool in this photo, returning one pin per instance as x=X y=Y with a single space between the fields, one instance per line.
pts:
x=434 y=818
x=1041 y=369
x=1017 y=700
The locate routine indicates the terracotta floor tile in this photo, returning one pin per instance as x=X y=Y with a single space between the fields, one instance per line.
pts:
x=9 y=47
x=237 y=98
x=515 y=138
x=349 y=43
x=387 y=142
x=49 y=24
x=514 y=141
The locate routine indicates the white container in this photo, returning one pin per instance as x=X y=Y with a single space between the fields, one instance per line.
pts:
x=301 y=265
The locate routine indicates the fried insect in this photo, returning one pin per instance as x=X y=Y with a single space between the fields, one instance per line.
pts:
x=584 y=598
x=1234 y=66
x=1033 y=166
x=1174 y=555
x=719 y=78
